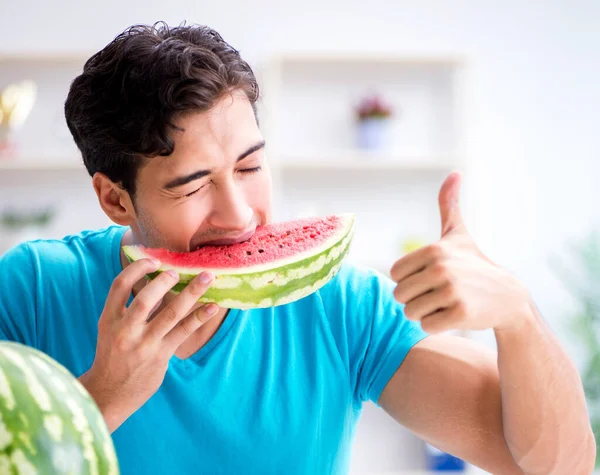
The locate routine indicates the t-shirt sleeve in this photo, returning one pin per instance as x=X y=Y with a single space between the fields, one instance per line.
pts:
x=371 y=331
x=18 y=285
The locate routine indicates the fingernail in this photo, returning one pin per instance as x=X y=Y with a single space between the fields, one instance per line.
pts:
x=156 y=262
x=173 y=274
x=206 y=277
x=211 y=309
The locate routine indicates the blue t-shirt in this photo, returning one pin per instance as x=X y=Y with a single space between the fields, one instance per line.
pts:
x=275 y=390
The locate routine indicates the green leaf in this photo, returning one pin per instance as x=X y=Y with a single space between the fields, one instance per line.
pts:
x=580 y=273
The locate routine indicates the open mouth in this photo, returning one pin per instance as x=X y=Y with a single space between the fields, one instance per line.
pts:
x=227 y=241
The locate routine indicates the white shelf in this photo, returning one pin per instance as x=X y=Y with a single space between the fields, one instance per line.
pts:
x=300 y=57
x=364 y=161
x=8 y=164
x=46 y=56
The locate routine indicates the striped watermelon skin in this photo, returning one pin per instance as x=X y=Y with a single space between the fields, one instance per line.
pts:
x=49 y=424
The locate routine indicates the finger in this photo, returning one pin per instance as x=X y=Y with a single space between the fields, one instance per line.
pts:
x=189 y=325
x=121 y=288
x=416 y=261
x=148 y=298
x=448 y=201
x=430 y=278
x=442 y=320
x=431 y=302
x=165 y=320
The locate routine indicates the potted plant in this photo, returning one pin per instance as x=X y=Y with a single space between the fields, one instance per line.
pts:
x=373 y=115
x=19 y=226
x=582 y=279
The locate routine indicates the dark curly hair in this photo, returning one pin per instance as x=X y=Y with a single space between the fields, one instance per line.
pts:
x=121 y=109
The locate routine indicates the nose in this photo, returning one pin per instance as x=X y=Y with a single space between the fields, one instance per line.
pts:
x=231 y=210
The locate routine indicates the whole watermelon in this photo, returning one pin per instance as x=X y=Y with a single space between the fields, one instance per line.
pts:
x=49 y=424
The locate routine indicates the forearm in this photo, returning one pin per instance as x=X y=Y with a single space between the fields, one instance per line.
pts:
x=545 y=420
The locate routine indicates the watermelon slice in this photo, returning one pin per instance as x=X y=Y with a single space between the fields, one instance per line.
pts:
x=49 y=424
x=281 y=263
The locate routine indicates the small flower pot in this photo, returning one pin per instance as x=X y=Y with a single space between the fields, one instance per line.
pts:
x=372 y=134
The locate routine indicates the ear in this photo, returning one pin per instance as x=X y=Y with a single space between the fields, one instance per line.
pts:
x=114 y=200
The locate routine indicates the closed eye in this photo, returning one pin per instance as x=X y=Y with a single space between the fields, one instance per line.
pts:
x=245 y=170
x=251 y=170
x=195 y=191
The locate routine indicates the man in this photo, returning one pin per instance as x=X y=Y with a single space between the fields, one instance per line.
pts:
x=166 y=122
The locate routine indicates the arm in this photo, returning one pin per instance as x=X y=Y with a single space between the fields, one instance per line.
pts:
x=525 y=413
x=447 y=392
x=454 y=394
x=18 y=296
x=549 y=430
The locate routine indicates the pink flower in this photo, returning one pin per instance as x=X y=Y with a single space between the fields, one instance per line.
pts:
x=373 y=106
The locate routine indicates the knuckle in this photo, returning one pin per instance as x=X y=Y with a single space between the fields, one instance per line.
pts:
x=143 y=266
x=449 y=292
x=142 y=351
x=426 y=325
x=163 y=353
x=394 y=272
x=429 y=326
x=169 y=314
x=164 y=277
x=438 y=270
x=398 y=294
x=161 y=283
x=187 y=327
x=460 y=309
x=141 y=304
x=436 y=251
x=120 y=282
x=121 y=342
x=201 y=315
x=196 y=287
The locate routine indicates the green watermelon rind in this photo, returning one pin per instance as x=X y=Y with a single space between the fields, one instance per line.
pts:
x=35 y=388
x=270 y=295
x=281 y=283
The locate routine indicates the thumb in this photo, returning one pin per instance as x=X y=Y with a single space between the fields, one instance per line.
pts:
x=449 y=204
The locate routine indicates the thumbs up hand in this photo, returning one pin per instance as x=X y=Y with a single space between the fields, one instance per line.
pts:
x=450 y=284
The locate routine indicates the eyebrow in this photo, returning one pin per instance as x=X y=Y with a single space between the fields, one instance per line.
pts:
x=183 y=180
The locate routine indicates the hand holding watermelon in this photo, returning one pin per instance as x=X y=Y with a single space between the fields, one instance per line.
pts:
x=451 y=285
x=134 y=346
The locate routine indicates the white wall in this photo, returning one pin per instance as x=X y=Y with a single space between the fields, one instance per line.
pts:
x=535 y=71
x=534 y=94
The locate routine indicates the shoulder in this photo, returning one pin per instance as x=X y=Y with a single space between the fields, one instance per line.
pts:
x=62 y=252
x=92 y=238
x=369 y=327
x=88 y=252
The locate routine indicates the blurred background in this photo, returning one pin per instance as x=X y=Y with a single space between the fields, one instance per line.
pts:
x=366 y=107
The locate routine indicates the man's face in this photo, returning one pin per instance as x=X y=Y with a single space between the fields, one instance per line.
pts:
x=214 y=189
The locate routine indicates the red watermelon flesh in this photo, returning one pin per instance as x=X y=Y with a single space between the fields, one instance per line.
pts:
x=269 y=243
